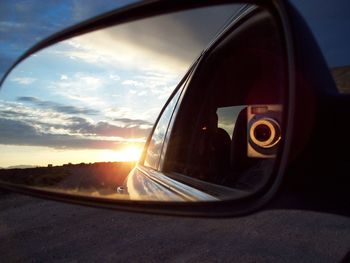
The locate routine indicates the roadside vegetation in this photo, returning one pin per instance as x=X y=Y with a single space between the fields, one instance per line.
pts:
x=101 y=178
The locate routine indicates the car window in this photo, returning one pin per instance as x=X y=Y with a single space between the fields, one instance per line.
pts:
x=227 y=117
x=154 y=148
x=228 y=129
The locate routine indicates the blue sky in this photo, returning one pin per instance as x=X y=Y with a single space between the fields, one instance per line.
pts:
x=23 y=23
x=329 y=21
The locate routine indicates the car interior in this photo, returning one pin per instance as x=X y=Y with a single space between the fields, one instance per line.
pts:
x=243 y=77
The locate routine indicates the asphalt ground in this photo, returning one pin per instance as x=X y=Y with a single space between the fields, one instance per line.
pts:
x=36 y=230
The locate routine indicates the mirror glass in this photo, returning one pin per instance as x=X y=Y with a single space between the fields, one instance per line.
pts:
x=75 y=117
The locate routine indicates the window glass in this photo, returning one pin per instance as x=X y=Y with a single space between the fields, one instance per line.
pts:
x=154 y=149
x=227 y=117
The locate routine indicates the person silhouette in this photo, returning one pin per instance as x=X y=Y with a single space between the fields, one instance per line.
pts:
x=215 y=150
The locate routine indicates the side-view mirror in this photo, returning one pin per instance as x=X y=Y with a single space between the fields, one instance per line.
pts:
x=186 y=108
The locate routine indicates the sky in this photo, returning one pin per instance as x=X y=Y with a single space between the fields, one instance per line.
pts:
x=329 y=21
x=95 y=97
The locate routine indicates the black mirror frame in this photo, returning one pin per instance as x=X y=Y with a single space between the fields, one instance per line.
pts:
x=282 y=12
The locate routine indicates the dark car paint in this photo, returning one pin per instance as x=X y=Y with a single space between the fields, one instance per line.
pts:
x=317 y=176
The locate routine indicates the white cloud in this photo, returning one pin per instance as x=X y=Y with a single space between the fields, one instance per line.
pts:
x=112 y=48
x=150 y=114
x=80 y=87
x=64 y=77
x=130 y=82
x=117 y=112
x=20 y=111
x=114 y=77
x=6 y=26
x=142 y=93
x=52 y=122
x=23 y=80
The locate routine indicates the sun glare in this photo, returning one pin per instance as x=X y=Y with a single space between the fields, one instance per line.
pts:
x=131 y=153
x=126 y=154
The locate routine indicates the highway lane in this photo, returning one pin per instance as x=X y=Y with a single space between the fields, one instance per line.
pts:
x=35 y=230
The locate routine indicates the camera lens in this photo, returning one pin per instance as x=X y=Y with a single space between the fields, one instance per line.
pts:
x=265 y=133
x=262 y=132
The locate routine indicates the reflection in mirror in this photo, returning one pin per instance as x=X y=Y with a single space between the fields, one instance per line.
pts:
x=154 y=148
x=75 y=117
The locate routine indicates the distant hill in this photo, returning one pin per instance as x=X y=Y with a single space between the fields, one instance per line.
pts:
x=341 y=76
x=21 y=166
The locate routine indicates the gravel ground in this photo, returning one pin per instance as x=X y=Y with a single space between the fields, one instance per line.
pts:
x=35 y=230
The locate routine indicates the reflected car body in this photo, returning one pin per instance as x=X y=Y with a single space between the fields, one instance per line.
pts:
x=151 y=185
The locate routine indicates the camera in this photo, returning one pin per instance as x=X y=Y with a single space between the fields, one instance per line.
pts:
x=263 y=130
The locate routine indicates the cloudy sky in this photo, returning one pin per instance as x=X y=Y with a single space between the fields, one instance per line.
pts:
x=95 y=97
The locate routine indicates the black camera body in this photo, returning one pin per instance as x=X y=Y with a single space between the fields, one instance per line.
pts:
x=263 y=130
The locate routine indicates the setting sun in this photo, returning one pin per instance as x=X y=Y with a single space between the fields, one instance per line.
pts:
x=130 y=153
x=126 y=154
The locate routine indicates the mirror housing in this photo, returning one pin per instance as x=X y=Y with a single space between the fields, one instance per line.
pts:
x=311 y=91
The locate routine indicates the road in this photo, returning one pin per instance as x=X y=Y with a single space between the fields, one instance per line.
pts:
x=35 y=230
